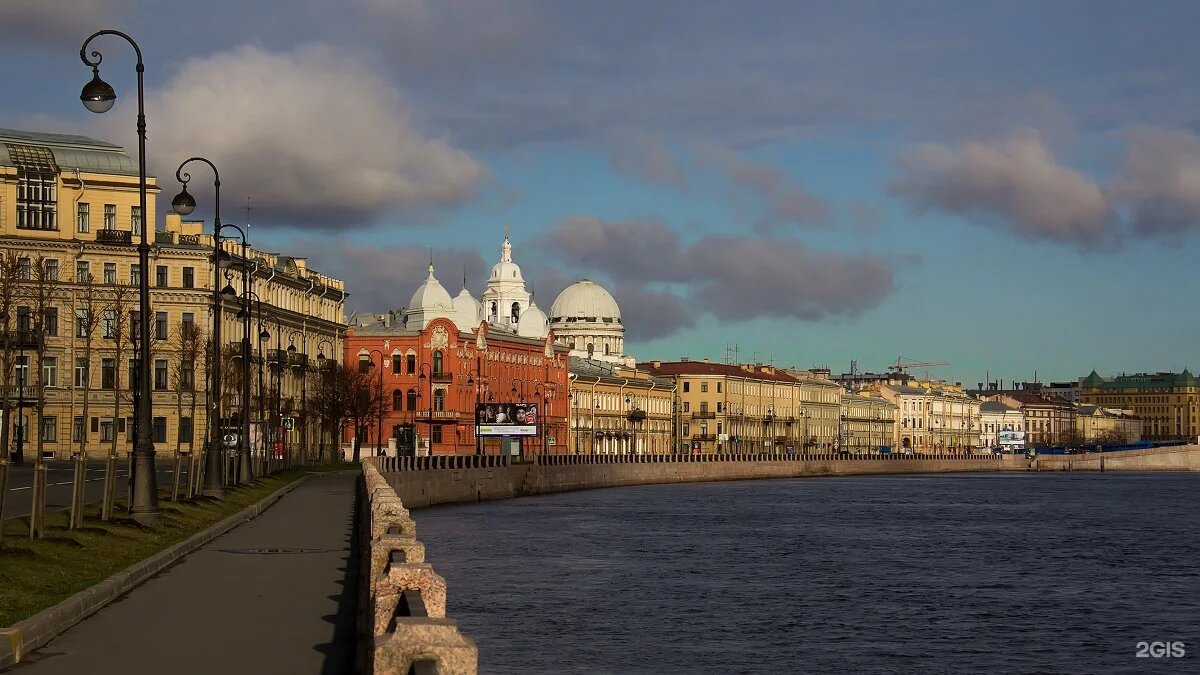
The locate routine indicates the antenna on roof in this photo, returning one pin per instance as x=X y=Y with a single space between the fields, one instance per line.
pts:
x=248 y=210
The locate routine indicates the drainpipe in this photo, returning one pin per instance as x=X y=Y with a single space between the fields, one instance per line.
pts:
x=674 y=419
x=592 y=404
x=573 y=426
x=82 y=187
x=621 y=399
x=648 y=396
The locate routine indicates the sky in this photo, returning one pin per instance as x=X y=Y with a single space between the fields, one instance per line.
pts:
x=1010 y=186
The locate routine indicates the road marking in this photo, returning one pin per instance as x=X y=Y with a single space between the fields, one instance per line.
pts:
x=88 y=480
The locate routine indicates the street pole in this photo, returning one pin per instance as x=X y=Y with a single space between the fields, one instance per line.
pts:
x=98 y=96
x=379 y=433
x=184 y=204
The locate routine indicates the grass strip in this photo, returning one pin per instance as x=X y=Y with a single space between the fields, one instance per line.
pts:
x=39 y=573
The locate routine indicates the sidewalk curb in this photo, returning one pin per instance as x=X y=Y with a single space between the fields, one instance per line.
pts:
x=25 y=636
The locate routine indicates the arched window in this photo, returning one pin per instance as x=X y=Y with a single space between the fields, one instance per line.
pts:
x=412 y=399
x=439 y=400
x=516 y=312
x=410 y=363
x=397 y=400
x=591 y=349
x=437 y=361
x=494 y=311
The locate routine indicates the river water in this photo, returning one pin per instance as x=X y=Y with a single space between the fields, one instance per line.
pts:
x=1042 y=572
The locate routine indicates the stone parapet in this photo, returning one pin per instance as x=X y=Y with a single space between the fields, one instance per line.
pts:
x=402 y=622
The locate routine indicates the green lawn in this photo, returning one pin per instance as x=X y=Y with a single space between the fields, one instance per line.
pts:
x=36 y=574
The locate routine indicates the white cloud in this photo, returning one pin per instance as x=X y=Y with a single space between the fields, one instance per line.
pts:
x=313 y=135
x=1160 y=181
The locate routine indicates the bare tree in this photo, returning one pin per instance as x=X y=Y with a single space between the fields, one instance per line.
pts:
x=43 y=292
x=8 y=290
x=119 y=324
x=327 y=401
x=88 y=305
x=186 y=345
x=362 y=400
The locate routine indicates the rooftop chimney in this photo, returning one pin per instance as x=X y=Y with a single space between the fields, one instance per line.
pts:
x=706 y=359
x=657 y=364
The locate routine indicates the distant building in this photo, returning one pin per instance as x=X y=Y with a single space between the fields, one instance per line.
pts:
x=1107 y=425
x=620 y=410
x=1166 y=402
x=1049 y=420
x=868 y=423
x=996 y=417
x=934 y=417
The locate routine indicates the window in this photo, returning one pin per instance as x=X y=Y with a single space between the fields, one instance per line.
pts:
x=135 y=325
x=189 y=323
x=108 y=323
x=50 y=429
x=439 y=400
x=82 y=224
x=687 y=431
x=23 y=323
x=718 y=406
x=160 y=276
x=51 y=270
x=110 y=216
x=364 y=364
x=108 y=373
x=160 y=325
x=687 y=387
x=160 y=374
x=81 y=373
x=110 y=272
x=50 y=322
x=24 y=268
x=703 y=407
x=703 y=387
x=133 y=378
x=412 y=399
x=397 y=400
x=135 y=274
x=83 y=273
x=687 y=406
x=185 y=430
x=516 y=312
x=135 y=219
x=77 y=429
x=718 y=387
x=159 y=430
x=396 y=364
x=410 y=364
x=22 y=373
x=189 y=277
x=37 y=188
x=50 y=371
x=437 y=434
x=437 y=362
x=187 y=375
x=108 y=430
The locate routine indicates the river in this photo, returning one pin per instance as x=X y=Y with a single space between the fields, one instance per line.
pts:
x=1049 y=572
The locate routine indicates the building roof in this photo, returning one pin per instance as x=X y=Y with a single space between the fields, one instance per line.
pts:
x=1026 y=398
x=995 y=407
x=68 y=152
x=1141 y=380
x=587 y=301
x=757 y=372
x=606 y=371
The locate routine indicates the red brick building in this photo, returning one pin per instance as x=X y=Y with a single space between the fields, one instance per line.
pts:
x=434 y=376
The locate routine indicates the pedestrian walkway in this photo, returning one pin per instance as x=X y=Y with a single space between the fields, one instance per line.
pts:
x=275 y=595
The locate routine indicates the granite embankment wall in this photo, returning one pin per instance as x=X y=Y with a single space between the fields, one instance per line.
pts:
x=460 y=479
x=1172 y=458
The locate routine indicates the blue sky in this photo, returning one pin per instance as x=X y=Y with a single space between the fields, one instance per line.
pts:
x=1009 y=186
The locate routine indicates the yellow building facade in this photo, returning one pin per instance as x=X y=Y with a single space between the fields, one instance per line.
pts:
x=620 y=410
x=69 y=229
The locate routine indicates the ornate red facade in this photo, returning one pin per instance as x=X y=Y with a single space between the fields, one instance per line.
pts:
x=461 y=369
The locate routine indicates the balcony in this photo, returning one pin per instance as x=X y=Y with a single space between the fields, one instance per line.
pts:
x=637 y=415
x=439 y=414
x=704 y=415
x=20 y=339
x=442 y=376
x=165 y=238
x=704 y=437
x=276 y=356
x=117 y=237
x=15 y=393
x=189 y=240
x=297 y=360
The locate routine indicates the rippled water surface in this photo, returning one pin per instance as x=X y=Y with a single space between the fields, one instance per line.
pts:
x=1062 y=572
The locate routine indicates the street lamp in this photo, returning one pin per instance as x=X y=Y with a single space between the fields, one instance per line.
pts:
x=379 y=434
x=302 y=366
x=276 y=413
x=471 y=375
x=98 y=96
x=184 y=204
x=422 y=377
x=324 y=389
x=544 y=391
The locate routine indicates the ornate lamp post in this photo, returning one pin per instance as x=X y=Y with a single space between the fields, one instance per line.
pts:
x=98 y=96
x=323 y=383
x=422 y=377
x=471 y=375
x=545 y=392
x=379 y=434
x=302 y=366
x=275 y=412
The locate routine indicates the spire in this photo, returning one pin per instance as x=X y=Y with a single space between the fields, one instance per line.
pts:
x=506 y=248
x=464 y=277
x=430 y=263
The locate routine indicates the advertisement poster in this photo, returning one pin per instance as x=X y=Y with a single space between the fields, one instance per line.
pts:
x=506 y=419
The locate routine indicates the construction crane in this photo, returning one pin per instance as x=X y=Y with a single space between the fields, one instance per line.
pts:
x=900 y=366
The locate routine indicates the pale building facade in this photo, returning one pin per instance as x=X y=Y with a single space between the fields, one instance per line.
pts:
x=69 y=227
x=868 y=423
x=1096 y=424
x=619 y=410
x=996 y=417
x=1167 y=403
x=934 y=417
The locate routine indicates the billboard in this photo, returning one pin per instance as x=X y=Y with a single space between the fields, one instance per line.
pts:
x=506 y=419
x=1012 y=440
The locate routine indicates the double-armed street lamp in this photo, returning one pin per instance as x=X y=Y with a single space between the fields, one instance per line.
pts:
x=379 y=434
x=275 y=414
x=301 y=365
x=323 y=381
x=472 y=374
x=545 y=392
x=98 y=96
x=421 y=378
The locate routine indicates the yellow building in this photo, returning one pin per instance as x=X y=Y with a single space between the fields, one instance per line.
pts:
x=933 y=417
x=1167 y=403
x=620 y=410
x=69 y=274
x=868 y=423
x=1112 y=426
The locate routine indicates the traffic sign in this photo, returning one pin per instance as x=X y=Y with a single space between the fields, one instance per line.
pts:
x=289 y=423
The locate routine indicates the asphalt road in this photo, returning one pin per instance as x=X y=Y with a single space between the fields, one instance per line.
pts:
x=19 y=497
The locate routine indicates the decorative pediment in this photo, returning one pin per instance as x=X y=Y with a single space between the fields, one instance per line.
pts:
x=439 y=338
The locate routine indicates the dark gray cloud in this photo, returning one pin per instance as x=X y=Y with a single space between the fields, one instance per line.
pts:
x=779 y=198
x=1015 y=183
x=1160 y=181
x=650 y=313
x=644 y=155
x=380 y=278
x=633 y=250
x=671 y=283
x=57 y=24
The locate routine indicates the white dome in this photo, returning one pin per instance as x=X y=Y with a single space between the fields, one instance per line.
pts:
x=533 y=322
x=468 y=310
x=585 y=300
x=430 y=295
